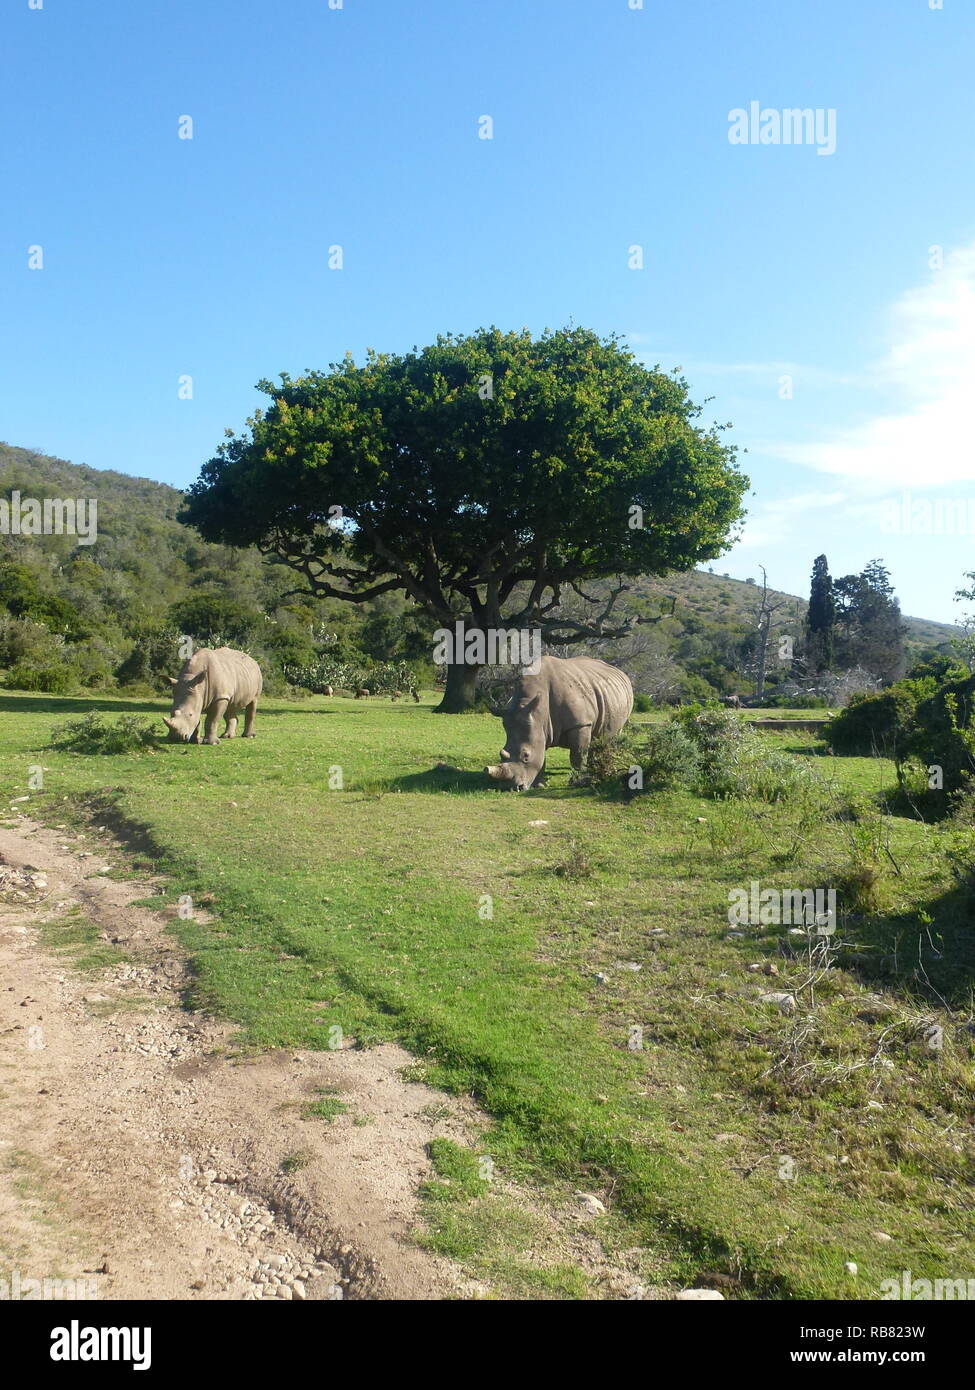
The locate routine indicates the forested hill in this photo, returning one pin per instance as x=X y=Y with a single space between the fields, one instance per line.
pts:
x=103 y=615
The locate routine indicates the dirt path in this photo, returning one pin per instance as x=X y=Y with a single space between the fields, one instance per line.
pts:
x=139 y=1155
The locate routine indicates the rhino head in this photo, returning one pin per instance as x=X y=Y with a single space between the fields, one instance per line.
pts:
x=183 y=719
x=523 y=754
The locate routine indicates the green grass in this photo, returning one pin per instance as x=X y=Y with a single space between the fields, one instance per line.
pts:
x=328 y=1108
x=424 y=906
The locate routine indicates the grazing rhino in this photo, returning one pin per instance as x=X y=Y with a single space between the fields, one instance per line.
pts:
x=328 y=690
x=218 y=684
x=565 y=705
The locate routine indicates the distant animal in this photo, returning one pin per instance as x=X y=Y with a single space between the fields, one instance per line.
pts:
x=731 y=701
x=568 y=702
x=416 y=696
x=327 y=690
x=361 y=694
x=396 y=695
x=214 y=684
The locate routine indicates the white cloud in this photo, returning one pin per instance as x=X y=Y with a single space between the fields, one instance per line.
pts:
x=930 y=363
x=774 y=522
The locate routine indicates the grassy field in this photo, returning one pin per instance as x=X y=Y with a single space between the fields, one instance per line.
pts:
x=568 y=960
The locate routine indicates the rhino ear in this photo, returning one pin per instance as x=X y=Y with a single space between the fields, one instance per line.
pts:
x=528 y=705
x=195 y=680
x=172 y=680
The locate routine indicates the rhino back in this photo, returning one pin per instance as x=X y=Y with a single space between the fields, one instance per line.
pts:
x=583 y=690
x=230 y=675
x=234 y=676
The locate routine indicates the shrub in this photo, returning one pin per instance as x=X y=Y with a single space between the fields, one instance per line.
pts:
x=943 y=733
x=95 y=734
x=642 y=704
x=879 y=725
x=738 y=763
x=50 y=680
x=670 y=757
x=610 y=755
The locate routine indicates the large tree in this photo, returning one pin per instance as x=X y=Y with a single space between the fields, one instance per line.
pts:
x=483 y=476
x=870 y=630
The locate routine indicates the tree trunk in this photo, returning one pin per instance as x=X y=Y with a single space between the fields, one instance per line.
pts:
x=460 y=690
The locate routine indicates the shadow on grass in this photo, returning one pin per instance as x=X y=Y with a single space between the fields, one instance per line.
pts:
x=928 y=953
x=441 y=779
x=62 y=704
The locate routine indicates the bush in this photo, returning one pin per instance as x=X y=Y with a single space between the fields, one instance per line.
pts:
x=154 y=654
x=879 y=725
x=608 y=758
x=95 y=734
x=670 y=758
x=737 y=763
x=49 y=680
x=943 y=733
x=795 y=702
x=642 y=704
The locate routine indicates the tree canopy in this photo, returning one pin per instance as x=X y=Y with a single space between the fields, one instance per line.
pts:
x=482 y=476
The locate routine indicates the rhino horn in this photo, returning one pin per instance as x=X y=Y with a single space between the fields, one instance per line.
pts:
x=170 y=724
x=498 y=772
x=172 y=680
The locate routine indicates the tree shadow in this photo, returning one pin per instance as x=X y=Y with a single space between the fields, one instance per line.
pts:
x=929 y=952
x=60 y=704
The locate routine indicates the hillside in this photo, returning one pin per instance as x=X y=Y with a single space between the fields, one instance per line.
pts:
x=106 y=614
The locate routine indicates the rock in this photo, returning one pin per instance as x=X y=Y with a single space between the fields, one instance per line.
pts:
x=699 y=1296
x=882 y=1236
x=631 y=965
x=283 y=1291
x=298 y=1289
x=785 y=1003
x=538 y=822
x=600 y=978
x=590 y=1203
x=851 y=1268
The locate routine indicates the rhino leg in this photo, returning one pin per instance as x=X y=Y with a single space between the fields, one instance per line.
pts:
x=231 y=730
x=541 y=779
x=214 y=714
x=579 y=741
x=249 y=714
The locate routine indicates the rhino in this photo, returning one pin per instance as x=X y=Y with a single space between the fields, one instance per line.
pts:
x=568 y=702
x=217 y=683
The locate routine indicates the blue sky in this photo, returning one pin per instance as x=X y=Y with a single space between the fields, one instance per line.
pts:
x=358 y=126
